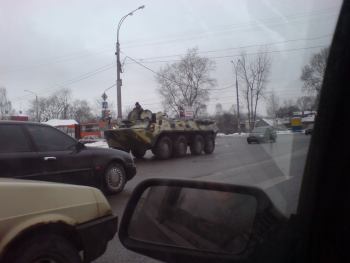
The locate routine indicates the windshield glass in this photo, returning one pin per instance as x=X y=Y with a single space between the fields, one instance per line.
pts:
x=259 y=130
x=209 y=72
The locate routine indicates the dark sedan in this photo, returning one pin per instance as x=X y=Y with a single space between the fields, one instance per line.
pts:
x=40 y=152
x=309 y=129
x=262 y=134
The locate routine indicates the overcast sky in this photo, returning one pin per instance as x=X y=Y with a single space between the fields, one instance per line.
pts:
x=46 y=44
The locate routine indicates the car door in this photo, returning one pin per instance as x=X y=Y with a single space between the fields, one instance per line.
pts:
x=61 y=159
x=17 y=156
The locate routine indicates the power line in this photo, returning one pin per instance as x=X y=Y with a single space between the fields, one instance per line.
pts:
x=241 y=47
x=154 y=72
x=54 y=61
x=77 y=55
x=204 y=34
x=72 y=81
x=237 y=55
x=226 y=56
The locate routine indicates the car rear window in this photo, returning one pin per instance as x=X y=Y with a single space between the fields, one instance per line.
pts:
x=12 y=139
x=260 y=129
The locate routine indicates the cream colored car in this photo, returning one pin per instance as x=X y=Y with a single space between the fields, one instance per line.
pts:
x=51 y=222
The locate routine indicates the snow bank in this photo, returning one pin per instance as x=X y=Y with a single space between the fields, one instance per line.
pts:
x=284 y=132
x=101 y=144
x=57 y=123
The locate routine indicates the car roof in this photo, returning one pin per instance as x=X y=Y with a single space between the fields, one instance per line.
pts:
x=22 y=123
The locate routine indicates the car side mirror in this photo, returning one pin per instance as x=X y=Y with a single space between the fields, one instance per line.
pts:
x=193 y=221
x=79 y=146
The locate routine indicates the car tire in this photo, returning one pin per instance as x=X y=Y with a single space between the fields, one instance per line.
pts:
x=197 y=145
x=138 y=153
x=164 y=148
x=180 y=146
x=44 y=248
x=209 y=145
x=114 y=178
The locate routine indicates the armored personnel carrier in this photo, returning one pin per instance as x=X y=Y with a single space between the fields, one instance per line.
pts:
x=166 y=137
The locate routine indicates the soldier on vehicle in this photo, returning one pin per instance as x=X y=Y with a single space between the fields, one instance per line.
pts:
x=138 y=109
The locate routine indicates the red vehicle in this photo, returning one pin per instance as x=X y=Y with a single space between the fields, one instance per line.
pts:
x=91 y=129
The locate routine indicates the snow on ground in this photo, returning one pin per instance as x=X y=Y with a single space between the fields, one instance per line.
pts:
x=232 y=134
x=101 y=144
x=246 y=134
x=284 y=132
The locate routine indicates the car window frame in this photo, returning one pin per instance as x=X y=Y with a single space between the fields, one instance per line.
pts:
x=50 y=127
x=28 y=139
x=322 y=214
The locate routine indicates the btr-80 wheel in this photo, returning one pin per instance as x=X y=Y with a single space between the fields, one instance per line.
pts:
x=197 y=145
x=180 y=146
x=164 y=148
x=209 y=146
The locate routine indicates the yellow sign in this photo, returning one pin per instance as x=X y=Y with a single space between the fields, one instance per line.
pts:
x=296 y=121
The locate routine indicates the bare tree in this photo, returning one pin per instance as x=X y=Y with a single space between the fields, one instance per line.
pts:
x=218 y=109
x=80 y=111
x=305 y=103
x=288 y=109
x=233 y=109
x=55 y=106
x=272 y=105
x=186 y=83
x=253 y=73
x=312 y=73
x=5 y=104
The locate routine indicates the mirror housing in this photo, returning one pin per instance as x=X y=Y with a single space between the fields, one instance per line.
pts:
x=79 y=146
x=266 y=218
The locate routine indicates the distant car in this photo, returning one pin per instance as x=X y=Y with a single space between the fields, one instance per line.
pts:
x=262 y=134
x=50 y=222
x=309 y=129
x=90 y=139
x=40 y=152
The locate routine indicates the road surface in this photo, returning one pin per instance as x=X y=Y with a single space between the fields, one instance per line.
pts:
x=275 y=167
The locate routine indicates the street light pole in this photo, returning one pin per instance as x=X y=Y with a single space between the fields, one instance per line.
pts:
x=237 y=96
x=119 y=68
x=36 y=105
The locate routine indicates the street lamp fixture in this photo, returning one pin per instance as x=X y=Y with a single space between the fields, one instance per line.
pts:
x=119 y=68
x=36 y=104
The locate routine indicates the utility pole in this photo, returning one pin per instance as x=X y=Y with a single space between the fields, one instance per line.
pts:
x=119 y=83
x=36 y=105
x=119 y=68
x=237 y=96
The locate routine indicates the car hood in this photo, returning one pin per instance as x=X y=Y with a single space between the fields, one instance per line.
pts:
x=25 y=198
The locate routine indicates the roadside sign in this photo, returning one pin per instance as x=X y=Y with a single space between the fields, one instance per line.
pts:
x=189 y=112
x=104 y=96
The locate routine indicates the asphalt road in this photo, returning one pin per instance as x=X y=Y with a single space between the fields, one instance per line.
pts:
x=275 y=167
